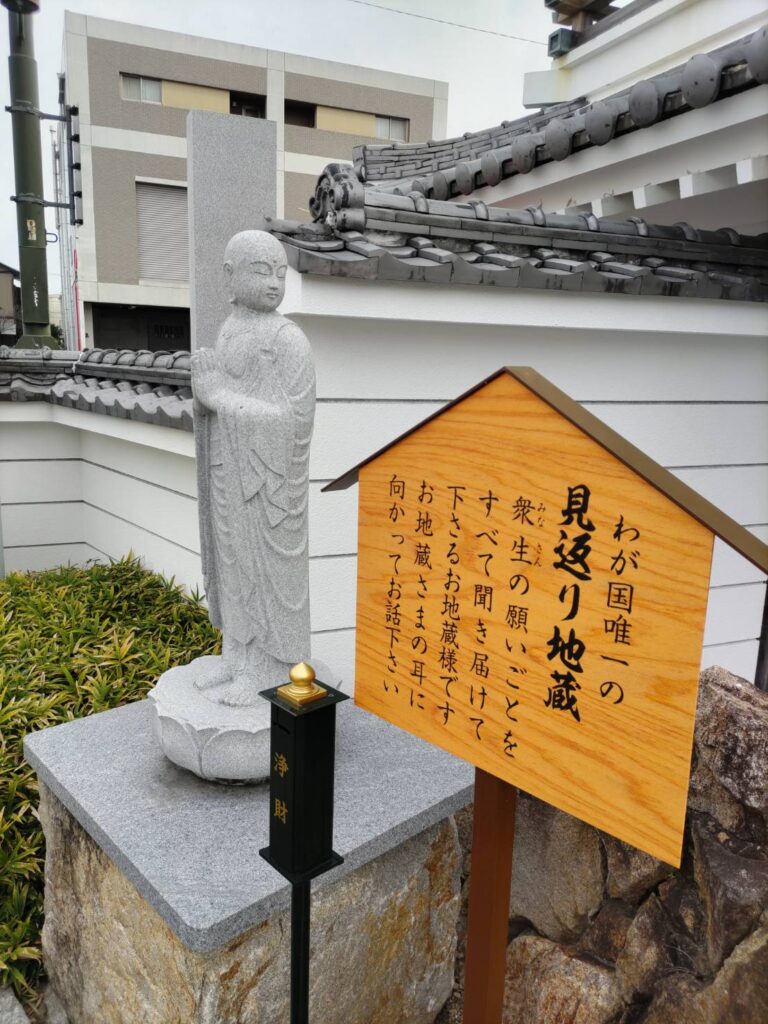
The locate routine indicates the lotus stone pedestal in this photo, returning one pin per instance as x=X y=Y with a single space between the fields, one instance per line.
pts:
x=216 y=742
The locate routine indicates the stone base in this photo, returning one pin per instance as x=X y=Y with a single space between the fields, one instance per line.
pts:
x=383 y=941
x=216 y=742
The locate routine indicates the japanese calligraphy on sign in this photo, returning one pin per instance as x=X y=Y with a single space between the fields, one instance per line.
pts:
x=530 y=603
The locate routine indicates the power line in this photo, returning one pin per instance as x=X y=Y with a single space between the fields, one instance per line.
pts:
x=442 y=21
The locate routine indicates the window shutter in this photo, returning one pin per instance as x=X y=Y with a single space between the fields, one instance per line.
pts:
x=162 y=228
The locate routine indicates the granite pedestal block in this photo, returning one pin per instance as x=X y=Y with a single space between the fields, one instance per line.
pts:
x=159 y=906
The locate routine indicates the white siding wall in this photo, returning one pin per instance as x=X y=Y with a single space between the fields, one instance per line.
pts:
x=72 y=493
x=697 y=404
x=40 y=496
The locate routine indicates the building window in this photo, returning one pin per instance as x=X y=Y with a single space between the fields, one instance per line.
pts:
x=138 y=88
x=247 y=104
x=301 y=114
x=395 y=128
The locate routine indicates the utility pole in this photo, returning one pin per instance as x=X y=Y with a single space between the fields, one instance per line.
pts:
x=28 y=167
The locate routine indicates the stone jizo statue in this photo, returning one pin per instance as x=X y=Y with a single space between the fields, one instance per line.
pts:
x=254 y=397
x=255 y=404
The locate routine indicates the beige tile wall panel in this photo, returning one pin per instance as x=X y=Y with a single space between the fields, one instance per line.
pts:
x=332 y=145
x=195 y=97
x=6 y=295
x=298 y=189
x=107 y=59
x=418 y=109
x=351 y=122
x=114 y=196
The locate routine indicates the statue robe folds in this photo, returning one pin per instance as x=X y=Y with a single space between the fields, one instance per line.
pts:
x=253 y=497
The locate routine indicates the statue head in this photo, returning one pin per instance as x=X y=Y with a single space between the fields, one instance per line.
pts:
x=254 y=270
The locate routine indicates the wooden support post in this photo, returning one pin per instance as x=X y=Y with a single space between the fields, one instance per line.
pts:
x=493 y=837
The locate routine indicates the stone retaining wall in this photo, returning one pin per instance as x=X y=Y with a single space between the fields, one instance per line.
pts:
x=603 y=934
x=600 y=933
x=383 y=942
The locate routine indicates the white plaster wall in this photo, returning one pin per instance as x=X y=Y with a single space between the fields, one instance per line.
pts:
x=695 y=401
x=68 y=493
x=658 y=38
x=76 y=485
x=40 y=495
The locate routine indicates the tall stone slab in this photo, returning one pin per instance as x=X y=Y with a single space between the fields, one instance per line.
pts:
x=231 y=187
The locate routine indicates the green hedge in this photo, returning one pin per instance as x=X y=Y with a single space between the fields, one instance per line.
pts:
x=73 y=641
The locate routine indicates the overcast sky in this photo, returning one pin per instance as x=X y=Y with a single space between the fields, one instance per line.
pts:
x=483 y=68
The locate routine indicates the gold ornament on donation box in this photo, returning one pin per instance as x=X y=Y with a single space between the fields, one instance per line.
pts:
x=302 y=688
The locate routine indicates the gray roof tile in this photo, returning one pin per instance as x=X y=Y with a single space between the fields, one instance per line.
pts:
x=413 y=237
x=446 y=242
x=482 y=158
x=150 y=386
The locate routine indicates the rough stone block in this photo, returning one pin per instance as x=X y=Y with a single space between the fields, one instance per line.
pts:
x=557 y=882
x=545 y=982
x=707 y=794
x=383 y=942
x=682 y=904
x=645 y=955
x=732 y=736
x=737 y=995
x=631 y=873
x=606 y=935
x=732 y=879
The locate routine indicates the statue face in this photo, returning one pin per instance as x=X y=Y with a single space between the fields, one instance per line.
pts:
x=258 y=283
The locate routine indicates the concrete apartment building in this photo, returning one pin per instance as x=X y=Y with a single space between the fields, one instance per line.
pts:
x=124 y=269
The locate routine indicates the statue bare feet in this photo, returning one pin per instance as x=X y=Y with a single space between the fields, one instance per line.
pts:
x=221 y=673
x=242 y=692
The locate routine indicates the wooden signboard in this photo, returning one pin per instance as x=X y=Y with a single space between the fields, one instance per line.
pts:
x=531 y=597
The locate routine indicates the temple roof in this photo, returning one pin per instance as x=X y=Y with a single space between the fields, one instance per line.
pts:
x=394 y=215
x=441 y=169
x=366 y=233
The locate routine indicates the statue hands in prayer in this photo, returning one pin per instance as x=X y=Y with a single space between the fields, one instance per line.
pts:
x=208 y=379
x=254 y=410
